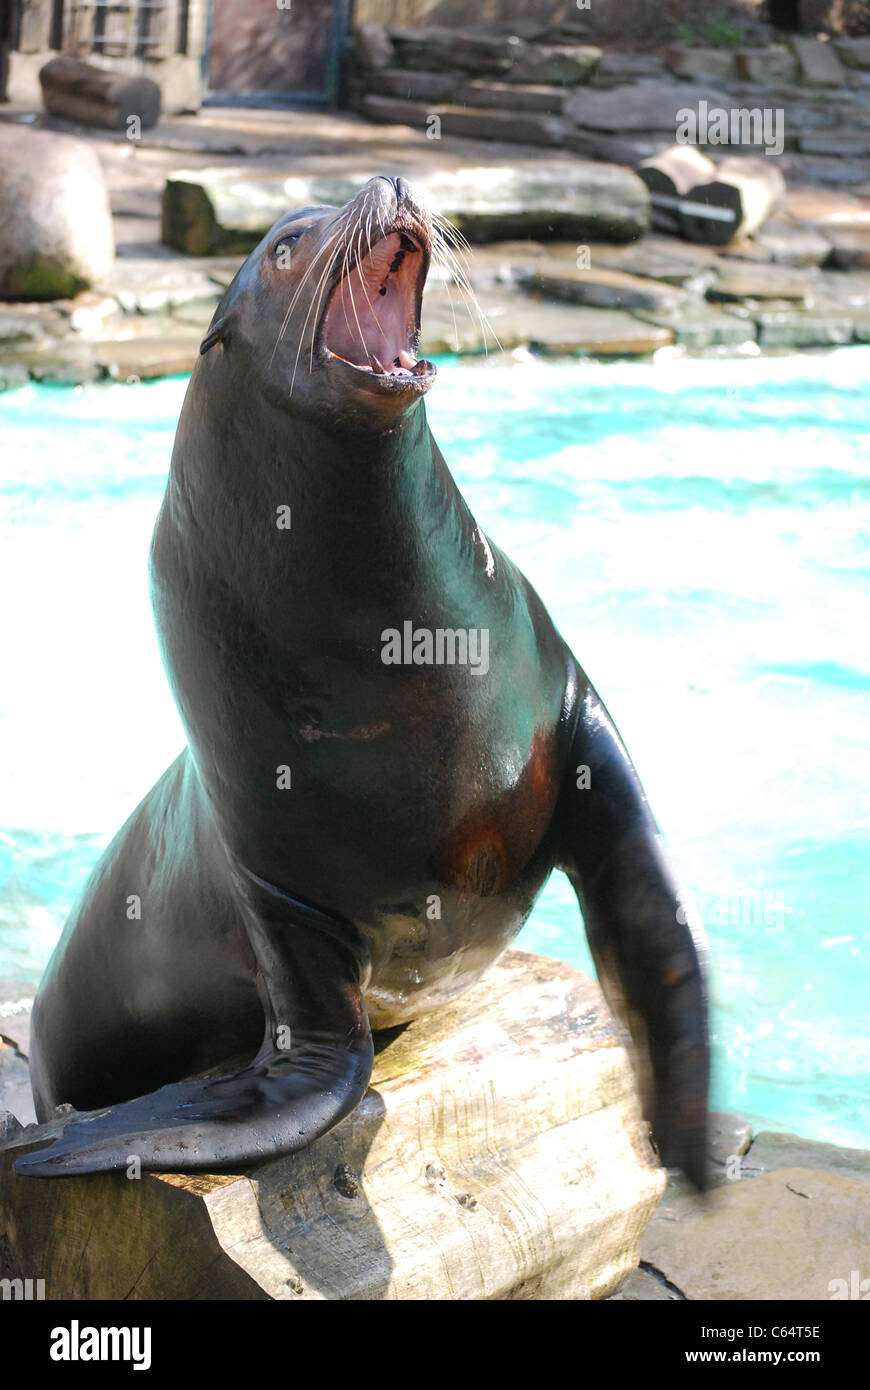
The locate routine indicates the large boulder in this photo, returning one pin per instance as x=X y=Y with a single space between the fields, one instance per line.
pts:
x=55 y=221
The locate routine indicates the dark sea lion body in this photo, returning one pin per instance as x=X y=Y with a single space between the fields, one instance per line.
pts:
x=427 y=803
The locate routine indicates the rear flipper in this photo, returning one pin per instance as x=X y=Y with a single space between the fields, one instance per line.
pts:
x=312 y=1070
x=648 y=944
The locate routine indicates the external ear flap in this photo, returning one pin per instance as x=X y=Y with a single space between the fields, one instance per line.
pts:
x=214 y=335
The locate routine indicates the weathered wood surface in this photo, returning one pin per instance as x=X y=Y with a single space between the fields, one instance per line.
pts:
x=669 y=176
x=78 y=91
x=499 y=1154
x=739 y=200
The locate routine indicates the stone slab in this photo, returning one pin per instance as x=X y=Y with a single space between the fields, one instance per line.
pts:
x=772 y=1150
x=766 y=65
x=504 y=96
x=694 y=64
x=698 y=326
x=855 y=53
x=642 y=107
x=211 y=211
x=738 y=280
x=552 y=329
x=819 y=63
x=601 y=288
x=783 y=1236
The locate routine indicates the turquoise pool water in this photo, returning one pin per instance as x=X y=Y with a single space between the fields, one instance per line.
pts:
x=699 y=530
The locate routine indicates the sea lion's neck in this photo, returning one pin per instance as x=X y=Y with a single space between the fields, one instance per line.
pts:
x=320 y=509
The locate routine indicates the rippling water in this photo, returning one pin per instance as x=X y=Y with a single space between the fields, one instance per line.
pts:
x=699 y=531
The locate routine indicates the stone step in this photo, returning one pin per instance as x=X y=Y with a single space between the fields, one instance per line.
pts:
x=700 y=64
x=509 y=96
x=600 y=288
x=566 y=66
x=615 y=68
x=698 y=325
x=767 y=65
x=410 y=84
x=438 y=48
x=855 y=53
x=839 y=144
x=524 y=128
x=554 y=329
x=640 y=108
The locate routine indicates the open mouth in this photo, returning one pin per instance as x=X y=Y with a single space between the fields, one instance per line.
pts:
x=372 y=320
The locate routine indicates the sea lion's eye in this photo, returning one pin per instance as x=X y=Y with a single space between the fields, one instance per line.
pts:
x=283 y=248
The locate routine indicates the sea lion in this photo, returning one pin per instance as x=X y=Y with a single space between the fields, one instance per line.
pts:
x=390 y=747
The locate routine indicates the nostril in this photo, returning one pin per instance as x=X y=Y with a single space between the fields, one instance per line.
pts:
x=401 y=189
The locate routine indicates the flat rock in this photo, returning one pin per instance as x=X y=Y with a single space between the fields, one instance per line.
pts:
x=736 y=280
x=819 y=64
x=782 y=1236
x=144 y=285
x=790 y=244
x=412 y=85
x=642 y=1286
x=827 y=208
x=523 y=127
x=771 y=1150
x=850 y=248
x=698 y=326
x=839 y=144
x=785 y=326
x=505 y=96
x=697 y=64
x=552 y=329
x=826 y=170
x=17 y=327
x=661 y=258
x=615 y=68
x=648 y=106
x=560 y=65
x=855 y=53
x=600 y=288
x=766 y=65
x=215 y=211
x=55 y=222
x=173 y=353
x=439 y=48
x=60 y=363
x=630 y=150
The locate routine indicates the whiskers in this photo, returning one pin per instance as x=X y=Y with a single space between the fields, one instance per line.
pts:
x=351 y=239
x=451 y=250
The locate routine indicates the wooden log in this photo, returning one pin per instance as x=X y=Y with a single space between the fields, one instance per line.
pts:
x=669 y=175
x=499 y=1154
x=77 y=91
x=744 y=193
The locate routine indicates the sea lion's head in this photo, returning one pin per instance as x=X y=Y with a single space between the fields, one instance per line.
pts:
x=323 y=318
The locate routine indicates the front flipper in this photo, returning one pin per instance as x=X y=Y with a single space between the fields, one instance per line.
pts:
x=312 y=1070
x=649 y=947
